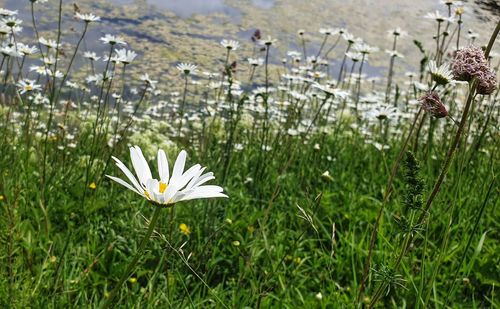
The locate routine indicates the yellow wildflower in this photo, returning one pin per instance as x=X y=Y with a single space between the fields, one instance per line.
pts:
x=184 y=229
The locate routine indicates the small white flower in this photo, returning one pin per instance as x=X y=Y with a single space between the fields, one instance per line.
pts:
x=186 y=68
x=27 y=85
x=255 y=62
x=268 y=41
x=87 y=17
x=438 y=17
x=125 y=56
x=442 y=75
x=394 y=53
x=112 y=40
x=91 y=56
x=230 y=44
x=49 y=43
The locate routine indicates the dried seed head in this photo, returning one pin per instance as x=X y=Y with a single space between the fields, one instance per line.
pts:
x=432 y=104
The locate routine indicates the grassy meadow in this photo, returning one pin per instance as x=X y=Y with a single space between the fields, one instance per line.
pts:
x=344 y=189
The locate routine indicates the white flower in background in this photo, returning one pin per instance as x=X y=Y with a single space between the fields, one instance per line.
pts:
x=112 y=40
x=335 y=92
x=328 y=31
x=125 y=56
x=6 y=13
x=442 y=75
x=27 y=85
x=394 y=53
x=49 y=43
x=230 y=44
x=91 y=56
x=268 y=41
x=354 y=56
x=149 y=82
x=168 y=189
x=186 y=68
x=11 y=21
x=88 y=18
x=397 y=32
x=26 y=50
x=364 y=48
x=438 y=17
x=255 y=62
x=10 y=51
x=382 y=112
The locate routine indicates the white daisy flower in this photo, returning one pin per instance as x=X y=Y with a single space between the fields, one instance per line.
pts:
x=87 y=17
x=27 y=85
x=168 y=189
x=187 y=68
x=442 y=74
x=112 y=40
x=230 y=44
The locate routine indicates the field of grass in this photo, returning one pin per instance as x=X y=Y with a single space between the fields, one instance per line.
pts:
x=342 y=191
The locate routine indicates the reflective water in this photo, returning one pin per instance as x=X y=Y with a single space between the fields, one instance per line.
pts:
x=167 y=31
x=186 y=8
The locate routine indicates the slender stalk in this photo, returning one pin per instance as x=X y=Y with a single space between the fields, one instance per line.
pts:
x=52 y=105
x=437 y=42
x=387 y=193
x=459 y=28
x=358 y=92
x=304 y=48
x=65 y=77
x=391 y=68
x=183 y=103
x=134 y=261
x=322 y=46
x=343 y=62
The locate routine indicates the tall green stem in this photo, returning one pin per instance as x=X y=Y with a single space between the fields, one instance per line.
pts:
x=134 y=261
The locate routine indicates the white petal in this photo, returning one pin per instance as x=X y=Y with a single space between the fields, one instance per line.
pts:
x=179 y=166
x=163 y=166
x=123 y=183
x=196 y=178
x=140 y=164
x=128 y=173
x=202 y=192
x=186 y=177
x=204 y=178
x=170 y=194
x=152 y=186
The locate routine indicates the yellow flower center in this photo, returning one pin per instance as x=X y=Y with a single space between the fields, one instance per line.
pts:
x=163 y=187
x=28 y=88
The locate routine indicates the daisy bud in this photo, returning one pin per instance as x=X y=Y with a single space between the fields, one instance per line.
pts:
x=432 y=104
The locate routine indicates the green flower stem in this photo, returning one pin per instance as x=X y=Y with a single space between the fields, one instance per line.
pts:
x=134 y=261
